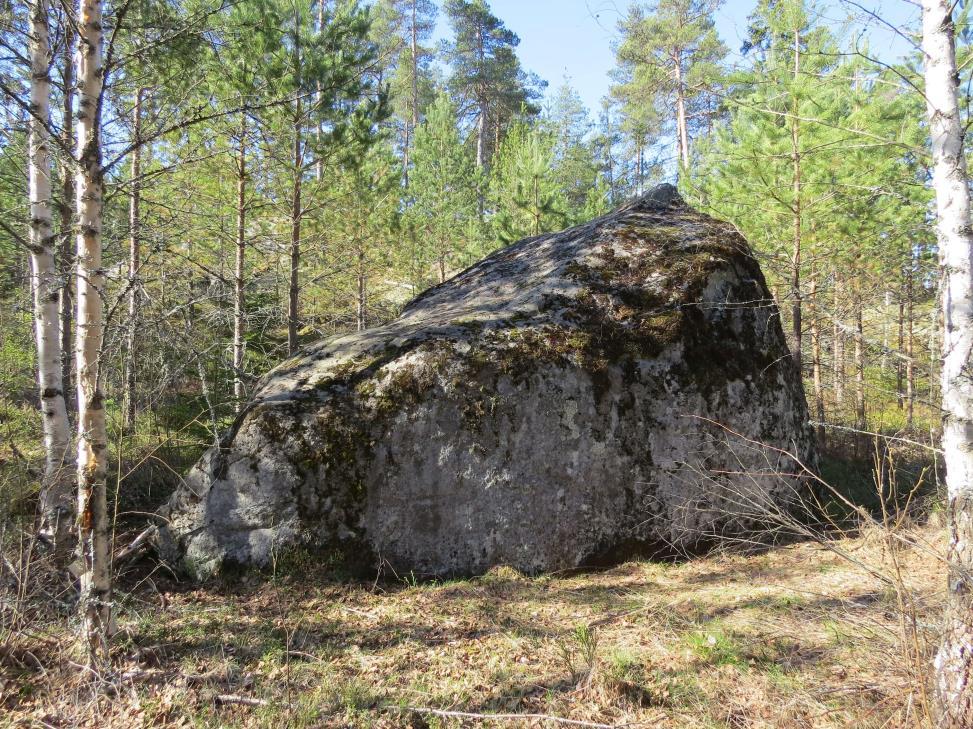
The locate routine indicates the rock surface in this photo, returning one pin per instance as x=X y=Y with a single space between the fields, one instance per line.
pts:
x=569 y=399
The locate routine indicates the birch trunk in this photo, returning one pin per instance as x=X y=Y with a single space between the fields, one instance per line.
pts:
x=239 y=323
x=55 y=497
x=954 y=661
x=134 y=256
x=67 y=218
x=95 y=594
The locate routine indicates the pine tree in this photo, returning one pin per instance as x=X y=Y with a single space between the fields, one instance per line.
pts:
x=405 y=30
x=669 y=58
x=525 y=196
x=575 y=157
x=443 y=189
x=326 y=65
x=362 y=223
x=244 y=82
x=487 y=80
x=763 y=152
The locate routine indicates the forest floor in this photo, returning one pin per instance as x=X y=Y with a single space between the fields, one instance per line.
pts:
x=807 y=635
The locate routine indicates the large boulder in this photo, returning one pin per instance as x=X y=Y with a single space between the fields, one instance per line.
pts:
x=574 y=397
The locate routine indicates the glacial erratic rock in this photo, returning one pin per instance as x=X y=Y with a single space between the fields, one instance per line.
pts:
x=624 y=384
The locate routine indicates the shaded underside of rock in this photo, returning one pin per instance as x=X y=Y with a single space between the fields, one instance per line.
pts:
x=620 y=385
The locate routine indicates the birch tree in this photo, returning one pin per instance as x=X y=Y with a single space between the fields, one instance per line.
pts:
x=55 y=496
x=954 y=662
x=66 y=210
x=95 y=597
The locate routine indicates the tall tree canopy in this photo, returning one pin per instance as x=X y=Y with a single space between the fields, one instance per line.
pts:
x=486 y=76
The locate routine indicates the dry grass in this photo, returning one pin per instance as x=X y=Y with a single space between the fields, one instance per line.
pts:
x=795 y=637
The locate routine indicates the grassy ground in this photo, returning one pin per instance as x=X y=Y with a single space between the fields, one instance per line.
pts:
x=793 y=637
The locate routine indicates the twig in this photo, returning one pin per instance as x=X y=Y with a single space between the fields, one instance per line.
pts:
x=137 y=546
x=510 y=717
x=894 y=438
x=225 y=699
x=145 y=676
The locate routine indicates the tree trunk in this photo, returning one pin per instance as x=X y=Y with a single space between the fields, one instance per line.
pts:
x=797 y=212
x=296 y=214
x=816 y=360
x=910 y=367
x=480 y=141
x=682 y=126
x=936 y=327
x=55 y=497
x=413 y=123
x=954 y=661
x=319 y=161
x=887 y=303
x=134 y=261
x=67 y=218
x=362 y=303
x=239 y=323
x=838 y=364
x=860 y=419
x=95 y=597
x=899 y=368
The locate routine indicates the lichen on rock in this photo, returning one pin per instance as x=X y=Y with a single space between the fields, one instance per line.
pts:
x=621 y=385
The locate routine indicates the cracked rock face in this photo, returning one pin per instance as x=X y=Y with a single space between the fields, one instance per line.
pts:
x=624 y=385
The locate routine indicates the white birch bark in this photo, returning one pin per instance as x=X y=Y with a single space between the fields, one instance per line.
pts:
x=66 y=257
x=954 y=661
x=55 y=507
x=95 y=597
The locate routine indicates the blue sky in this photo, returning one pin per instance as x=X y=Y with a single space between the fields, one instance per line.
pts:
x=573 y=38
